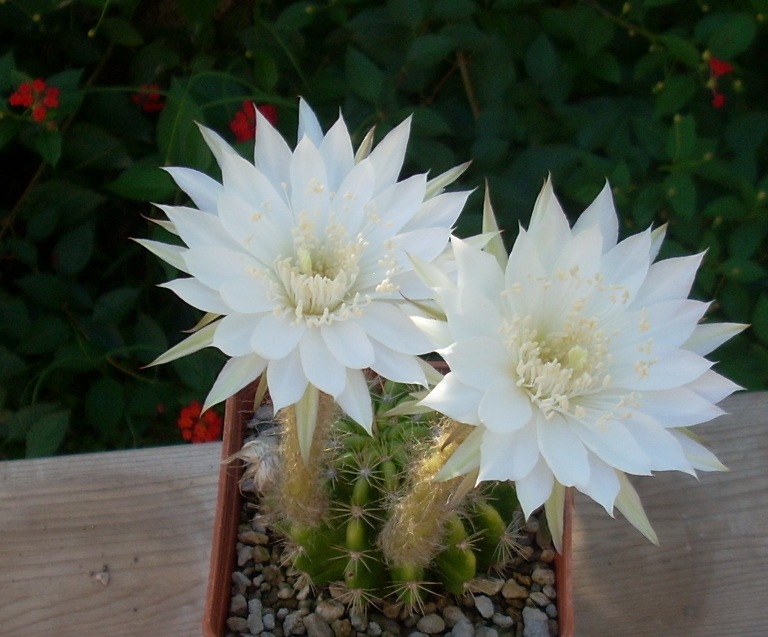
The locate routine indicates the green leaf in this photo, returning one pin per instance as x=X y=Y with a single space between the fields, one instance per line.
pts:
x=676 y=93
x=745 y=240
x=681 y=193
x=178 y=137
x=541 y=59
x=46 y=289
x=47 y=144
x=739 y=269
x=727 y=207
x=46 y=434
x=430 y=49
x=605 y=66
x=197 y=11
x=7 y=69
x=364 y=77
x=681 y=141
x=734 y=36
x=682 y=50
x=89 y=146
x=113 y=306
x=10 y=362
x=121 y=32
x=760 y=318
x=143 y=183
x=295 y=16
x=105 y=406
x=45 y=335
x=8 y=131
x=73 y=251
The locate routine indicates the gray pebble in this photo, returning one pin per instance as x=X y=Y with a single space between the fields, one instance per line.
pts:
x=549 y=590
x=329 y=609
x=536 y=623
x=293 y=624
x=551 y=611
x=358 y=619
x=463 y=629
x=237 y=624
x=255 y=623
x=484 y=606
x=486 y=631
x=374 y=630
x=513 y=590
x=244 y=555
x=416 y=633
x=543 y=576
x=431 y=624
x=502 y=620
x=260 y=554
x=269 y=621
x=540 y=599
x=241 y=581
x=453 y=615
x=238 y=605
x=255 y=606
x=486 y=585
x=316 y=626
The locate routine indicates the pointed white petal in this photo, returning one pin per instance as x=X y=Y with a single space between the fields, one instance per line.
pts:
x=234 y=334
x=321 y=369
x=455 y=399
x=171 y=254
x=709 y=336
x=336 y=150
x=202 y=189
x=308 y=124
x=534 y=489
x=601 y=213
x=505 y=407
x=563 y=450
x=271 y=155
x=495 y=246
x=348 y=343
x=274 y=336
x=603 y=486
x=194 y=293
x=388 y=324
x=509 y=456
x=698 y=455
x=554 y=509
x=355 y=400
x=628 y=502
x=401 y=368
x=194 y=343
x=612 y=442
x=286 y=380
x=236 y=374
x=668 y=280
x=478 y=361
x=465 y=458
x=389 y=154
x=436 y=185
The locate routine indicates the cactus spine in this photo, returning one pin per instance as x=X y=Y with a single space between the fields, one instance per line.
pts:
x=367 y=511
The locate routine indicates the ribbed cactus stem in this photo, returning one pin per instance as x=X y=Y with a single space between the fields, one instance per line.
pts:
x=413 y=534
x=301 y=494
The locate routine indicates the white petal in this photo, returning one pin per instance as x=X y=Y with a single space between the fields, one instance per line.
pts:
x=321 y=369
x=509 y=456
x=202 y=189
x=563 y=450
x=465 y=458
x=286 y=380
x=214 y=265
x=477 y=270
x=603 y=486
x=198 y=340
x=233 y=337
x=666 y=369
x=198 y=228
x=394 y=207
x=549 y=229
x=697 y=454
x=274 y=336
x=401 y=368
x=679 y=407
x=668 y=280
x=534 y=489
x=247 y=294
x=442 y=211
x=348 y=343
x=308 y=124
x=713 y=387
x=477 y=361
x=236 y=374
x=455 y=399
x=309 y=189
x=336 y=150
x=174 y=255
x=388 y=324
x=601 y=213
x=355 y=400
x=659 y=445
x=271 y=155
x=197 y=295
x=504 y=407
x=614 y=444
x=709 y=336
x=628 y=502
x=389 y=154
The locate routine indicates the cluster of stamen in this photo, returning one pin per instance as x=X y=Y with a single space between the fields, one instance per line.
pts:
x=556 y=367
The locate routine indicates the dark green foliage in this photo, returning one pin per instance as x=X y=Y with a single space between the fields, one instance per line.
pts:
x=586 y=90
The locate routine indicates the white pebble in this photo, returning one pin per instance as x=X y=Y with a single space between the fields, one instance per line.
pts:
x=484 y=606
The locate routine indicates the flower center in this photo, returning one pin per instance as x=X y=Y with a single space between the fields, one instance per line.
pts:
x=317 y=283
x=556 y=367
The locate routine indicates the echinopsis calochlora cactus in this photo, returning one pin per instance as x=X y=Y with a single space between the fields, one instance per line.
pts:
x=575 y=360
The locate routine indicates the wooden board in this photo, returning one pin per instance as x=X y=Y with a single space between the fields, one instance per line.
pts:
x=147 y=516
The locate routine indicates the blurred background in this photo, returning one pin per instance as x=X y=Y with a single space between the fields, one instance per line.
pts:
x=667 y=99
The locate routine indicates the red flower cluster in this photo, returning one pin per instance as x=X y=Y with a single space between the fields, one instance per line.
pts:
x=718 y=68
x=243 y=125
x=199 y=428
x=148 y=98
x=36 y=96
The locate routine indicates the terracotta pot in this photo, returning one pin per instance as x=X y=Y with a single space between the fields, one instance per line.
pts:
x=229 y=504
